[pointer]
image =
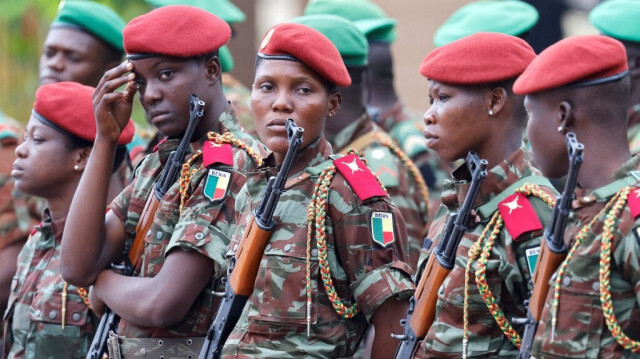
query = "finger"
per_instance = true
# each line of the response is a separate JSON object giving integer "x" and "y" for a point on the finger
{"x": 111, "y": 86}
{"x": 115, "y": 72}
{"x": 112, "y": 97}
{"x": 130, "y": 91}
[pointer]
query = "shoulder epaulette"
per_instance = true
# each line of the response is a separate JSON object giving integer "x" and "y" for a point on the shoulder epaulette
{"x": 359, "y": 176}
{"x": 214, "y": 153}
{"x": 634, "y": 202}
{"x": 518, "y": 215}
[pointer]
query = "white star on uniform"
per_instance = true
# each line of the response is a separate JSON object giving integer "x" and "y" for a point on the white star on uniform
{"x": 513, "y": 205}
{"x": 353, "y": 166}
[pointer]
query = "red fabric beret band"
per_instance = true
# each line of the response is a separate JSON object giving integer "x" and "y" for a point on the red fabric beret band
{"x": 308, "y": 46}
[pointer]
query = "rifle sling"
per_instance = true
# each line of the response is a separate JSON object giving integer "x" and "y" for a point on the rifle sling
{"x": 486, "y": 210}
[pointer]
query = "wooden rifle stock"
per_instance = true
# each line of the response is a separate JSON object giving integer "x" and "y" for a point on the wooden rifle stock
{"x": 248, "y": 256}
{"x": 553, "y": 249}
{"x": 425, "y": 312}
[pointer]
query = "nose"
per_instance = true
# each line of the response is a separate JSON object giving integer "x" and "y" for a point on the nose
{"x": 149, "y": 93}
{"x": 282, "y": 102}
{"x": 55, "y": 62}
{"x": 430, "y": 116}
{"x": 21, "y": 150}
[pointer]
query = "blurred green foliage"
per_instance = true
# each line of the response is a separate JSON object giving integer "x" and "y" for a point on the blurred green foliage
{"x": 23, "y": 29}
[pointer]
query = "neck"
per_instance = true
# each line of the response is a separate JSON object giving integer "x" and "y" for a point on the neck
{"x": 502, "y": 145}
{"x": 210, "y": 119}
{"x": 601, "y": 158}
{"x": 60, "y": 201}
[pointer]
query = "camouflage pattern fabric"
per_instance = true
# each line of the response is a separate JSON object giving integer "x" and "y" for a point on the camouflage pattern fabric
{"x": 203, "y": 226}
{"x": 34, "y": 314}
{"x": 581, "y": 331}
{"x": 273, "y": 323}
{"x": 633, "y": 133}
{"x": 395, "y": 176}
{"x": 508, "y": 272}
{"x": 240, "y": 97}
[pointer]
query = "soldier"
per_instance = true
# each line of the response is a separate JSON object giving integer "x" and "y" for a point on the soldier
{"x": 511, "y": 17}
{"x": 46, "y": 317}
{"x": 474, "y": 109}
{"x": 352, "y": 249}
{"x": 172, "y": 53}
{"x": 581, "y": 84}
{"x": 352, "y": 127}
{"x": 383, "y": 103}
{"x": 619, "y": 19}
{"x": 84, "y": 41}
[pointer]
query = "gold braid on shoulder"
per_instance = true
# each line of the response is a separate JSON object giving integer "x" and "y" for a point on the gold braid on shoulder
{"x": 188, "y": 172}
{"x": 480, "y": 252}
{"x": 316, "y": 216}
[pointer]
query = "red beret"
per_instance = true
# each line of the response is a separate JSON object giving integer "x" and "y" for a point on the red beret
{"x": 583, "y": 60}
{"x": 69, "y": 106}
{"x": 300, "y": 42}
{"x": 175, "y": 30}
{"x": 481, "y": 58}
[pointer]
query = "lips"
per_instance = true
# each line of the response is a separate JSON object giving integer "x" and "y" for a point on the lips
{"x": 49, "y": 80}
{"x": 277, "y": 125}
{"x": 157, "y": 116}
{"x": 17, "y": 171}
{"x": 431, "y": 138}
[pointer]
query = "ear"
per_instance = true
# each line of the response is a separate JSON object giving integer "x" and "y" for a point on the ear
{"x": 81, "y": 158}
{"x": 497, "y": 99}
{"x": 334, "y": 103}
{"x": 214, "y": 69}
{"x": 566, "y": 118}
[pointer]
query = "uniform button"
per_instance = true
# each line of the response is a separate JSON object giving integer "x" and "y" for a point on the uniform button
{"x": 235, "y": 248}
{"x": 143, "y": 351}
{"x": 287, "y": 247}
{"x": 199, "y": 236}
{"x": 53, "y": 314}
{"x": 76, "y": 317}
{"x": 148, "y": 233}
{"x": 314, "y": 252}
{"x": 159, "y": 235}
{"x": 566, "y": 281}
{"x": 458, "y": 298}
{"x": 596, "y": 286}
{"x": 268, "y": 247}
{"x": 36, "y": 314}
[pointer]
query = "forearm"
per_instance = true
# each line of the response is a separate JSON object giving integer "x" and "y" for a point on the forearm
{"x": 83, "y": 244}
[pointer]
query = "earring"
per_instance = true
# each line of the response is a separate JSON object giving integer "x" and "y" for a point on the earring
{"x": 330, "y": 114}
{"x": 560, "y": 129}
{"x": 490, "y": 112}
{"x": 76, "y": 168}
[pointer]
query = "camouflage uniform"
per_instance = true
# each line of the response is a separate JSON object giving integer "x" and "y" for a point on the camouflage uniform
{"x": 202, "y": 226}
{"x": 581, "y": 330}
{"x": 508, "y": 271}
{"x": 407, "y": 130}
{"x": 395, "y": 176}
{"x": 34, "y": 315}
{"x": 633, "y": 134}
{"x": 240, "y": 97}
{"x": 273, "y": 324}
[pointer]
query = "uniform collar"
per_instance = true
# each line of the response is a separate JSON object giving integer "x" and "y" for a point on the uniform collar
{"x": 312, "y": 155}
{"x": 50, "y": 227}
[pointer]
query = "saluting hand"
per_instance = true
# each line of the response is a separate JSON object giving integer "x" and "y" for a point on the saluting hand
{"x": 113, "y": 108}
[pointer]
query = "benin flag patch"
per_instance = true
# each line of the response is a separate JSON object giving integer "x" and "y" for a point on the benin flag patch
{"x": 382, "y": 228}
{"x": 217, "y": 183}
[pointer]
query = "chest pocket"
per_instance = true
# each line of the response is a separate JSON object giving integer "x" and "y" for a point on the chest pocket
{"x": 279, "y": 300}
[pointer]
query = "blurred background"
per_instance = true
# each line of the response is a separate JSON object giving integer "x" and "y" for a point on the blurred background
{"x": 24, "y": 25}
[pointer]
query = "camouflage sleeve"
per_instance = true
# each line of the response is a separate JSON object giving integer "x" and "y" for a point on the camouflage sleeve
{"x": 376, "y": 271}
{"x": 206, "y": 224}
{"x": 627, "y": 254}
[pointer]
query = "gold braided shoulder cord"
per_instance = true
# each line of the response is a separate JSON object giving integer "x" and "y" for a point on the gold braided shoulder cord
{"x": 480, "y": 252}
{"x": 413, "y": 170}
{"x": 316, "y": 216}
{"x": 187, "y": 172}
{"x": 612, "y": 210}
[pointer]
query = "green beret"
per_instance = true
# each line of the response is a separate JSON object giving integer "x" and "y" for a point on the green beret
{"x": 226, "y": 60}
{"x": 223, "y": 9}
{"x": 510, "y": 17}
{"x": 619, "y": 19}
{"x": 351, "y": 42}
{"x": 367, "y": 16}
{"x": 97, "y": 19}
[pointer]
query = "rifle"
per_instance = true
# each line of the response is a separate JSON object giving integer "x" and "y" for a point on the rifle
{"x": 133, "y": 253}
{"x": 553, "y": 250}
{"x": 243, "y": 267}
{"x": 422, "y": 305}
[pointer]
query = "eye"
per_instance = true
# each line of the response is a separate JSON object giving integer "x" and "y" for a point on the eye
{"x": 49, "y": 53}
{"x": 166, "y": 74}
{"x": 74, "y": 57}
{"x": 430, "y": 100}
{"x": 304, "y": 90}
{"x": 443, "y": 97}
{"x": 265, "y": 87}
{"x": 37, "y": 139}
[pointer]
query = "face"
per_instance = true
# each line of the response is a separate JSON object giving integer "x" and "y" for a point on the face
{"x": 288, "y": 89}
{"x": 164, "y": 85}
{"x": 44, "y": 162}
{"x": 547, "y": 144}
{"x": 72, "y": 55}
{"x": 456, "y": 122}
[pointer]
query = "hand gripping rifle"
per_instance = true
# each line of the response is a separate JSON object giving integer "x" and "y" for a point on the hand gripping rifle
{"x": 553, "y": 250}
{"x": 422, "y": 306}
{"x": 133, "y": 253}
{"x": 243, "y": 267}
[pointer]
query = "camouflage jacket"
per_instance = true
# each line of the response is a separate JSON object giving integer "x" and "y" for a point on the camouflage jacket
{"x": 508, "y": 269}
{"x": 273, "y": 323}
{"x": 395, "y": 176}
{"x": 240, "y": 97}
{"x": 633, "y": 133}
{"x": 581, "y": 330}
{"x": 203, "y": 226}
{"x": 34, "y": 315}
